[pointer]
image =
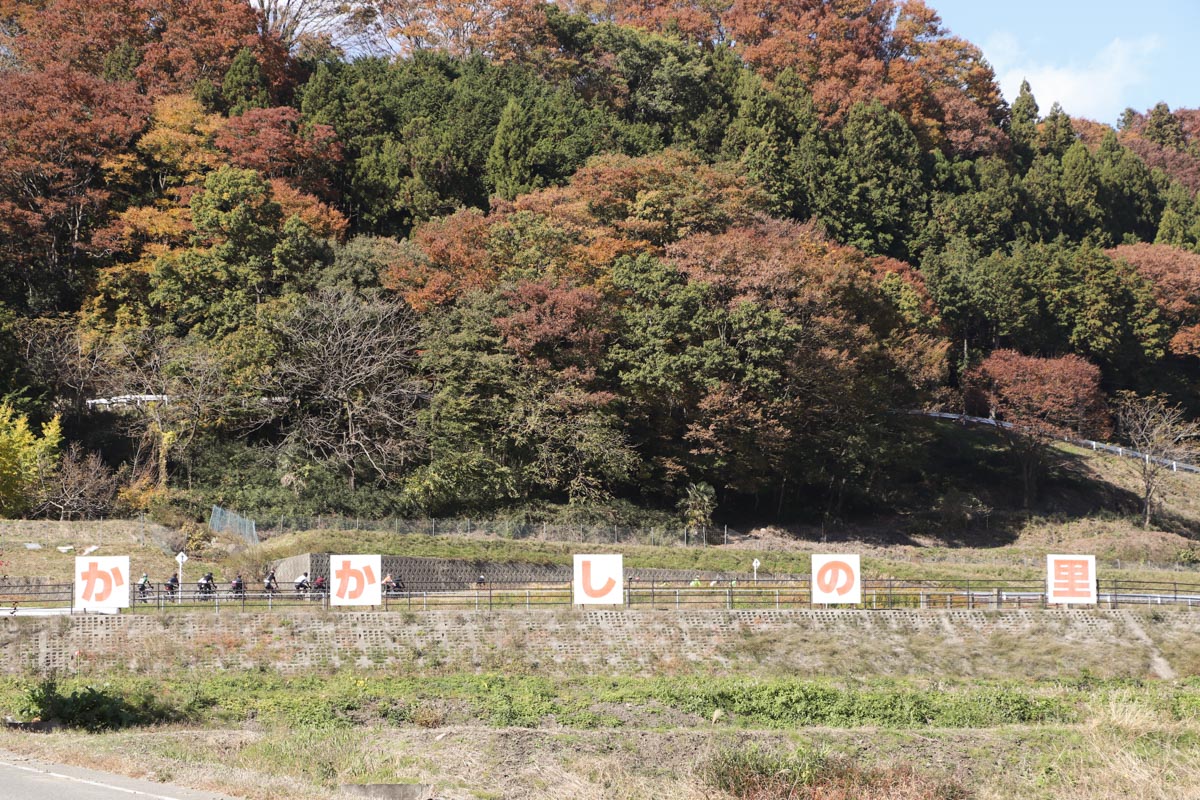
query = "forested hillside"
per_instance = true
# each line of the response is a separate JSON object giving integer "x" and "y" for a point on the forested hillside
{"x": 443, "y": 258}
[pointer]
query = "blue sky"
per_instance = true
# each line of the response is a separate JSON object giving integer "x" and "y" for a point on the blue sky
{"x": 1096, "y": 58}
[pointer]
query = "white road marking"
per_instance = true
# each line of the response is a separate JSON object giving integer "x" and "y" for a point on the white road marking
{"x": 88, "y": 782}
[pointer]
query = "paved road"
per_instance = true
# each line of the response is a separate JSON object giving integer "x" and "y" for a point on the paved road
{"x": 23, "y": 778}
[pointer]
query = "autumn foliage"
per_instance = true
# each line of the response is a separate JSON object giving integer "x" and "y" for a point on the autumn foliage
{"x": 614, "y": 250}
{"x": 63, "y": 135}
{"x": 1175, "y": 276}
{"x": 1037, "y": 400}
{"x": 612, "y": 207}
{"x": 279, "y": 144}
{"x": 166, "y": 45}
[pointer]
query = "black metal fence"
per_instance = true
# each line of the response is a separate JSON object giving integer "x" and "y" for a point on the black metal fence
{"x": 789, "y": 593}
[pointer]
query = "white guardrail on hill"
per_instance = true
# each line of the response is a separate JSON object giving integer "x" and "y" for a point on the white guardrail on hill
{"x": 1117, "y": 450}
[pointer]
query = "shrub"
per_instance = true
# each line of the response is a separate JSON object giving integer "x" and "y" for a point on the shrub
{"x": 752, "y": 772}
{"x": 756, "y": 772}
{"x": 94, "y": 709}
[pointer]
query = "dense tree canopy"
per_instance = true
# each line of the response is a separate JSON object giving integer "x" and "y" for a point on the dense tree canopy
{"x": 590, "y": 252}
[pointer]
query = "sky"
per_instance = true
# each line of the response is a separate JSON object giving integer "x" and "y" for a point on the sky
{"x": 1096, "y": 58}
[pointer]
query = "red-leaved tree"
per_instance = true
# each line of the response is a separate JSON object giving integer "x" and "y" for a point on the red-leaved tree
{"x": 1035, "y": 401}
{"x": 60, "y": 133}
{"x": 167, "y": 45}
{"x": 1174, "y": 275}
{"x": 279, "y": 144}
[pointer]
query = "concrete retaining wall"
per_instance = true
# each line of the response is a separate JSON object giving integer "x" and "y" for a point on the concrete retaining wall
{"x": 800, "y": 643}
{"x": 452, "y": 574}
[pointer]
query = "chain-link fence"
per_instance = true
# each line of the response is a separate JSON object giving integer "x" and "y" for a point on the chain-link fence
{"x": 224, "y": 521}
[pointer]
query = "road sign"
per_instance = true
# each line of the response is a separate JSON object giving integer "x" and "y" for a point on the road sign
{"x": 182, "y": 557}
{"x": 756, "y": 565}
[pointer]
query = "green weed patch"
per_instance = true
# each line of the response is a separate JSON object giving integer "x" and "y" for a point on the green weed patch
{"x": 350, "y": 698}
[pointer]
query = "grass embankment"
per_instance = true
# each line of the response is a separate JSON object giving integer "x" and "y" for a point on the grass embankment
{"x": 964, "y": 522}
{"x": 353, "y": 698}
{"x": 1090, "y": 505}
{"x": 901, "y": 562}
{"x": 149, "y": 547}
{"x": 493, "y": 736}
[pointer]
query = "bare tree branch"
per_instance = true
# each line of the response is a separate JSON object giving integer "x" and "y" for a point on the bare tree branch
{"x": 293, "y": 20}
{"x": 82, "y": 486}
{"x": 195, "y": 390}
{"x": 1162, "y": 434}
{"x": 61, "y": 358}
{"x": 347, "y": 369}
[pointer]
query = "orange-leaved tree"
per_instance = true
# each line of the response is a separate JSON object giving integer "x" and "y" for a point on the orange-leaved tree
{"x": 63, "y": 136}
{"x": 1035, "y": 401}
{"x": 1174, "y": 276}
{"x": 165, "y": 45}
{"x": 614, "y": 206}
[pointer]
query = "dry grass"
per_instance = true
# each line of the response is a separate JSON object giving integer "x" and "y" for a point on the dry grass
{"x": 1120, "y": 753}
{"x": 150, "y": 548}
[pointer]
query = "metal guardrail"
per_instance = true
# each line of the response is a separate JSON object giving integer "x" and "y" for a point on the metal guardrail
{"x": 877, "y": 594}
{"x": 1117, "y": 450}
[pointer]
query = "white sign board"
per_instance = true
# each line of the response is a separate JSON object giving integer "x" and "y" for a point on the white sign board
{"x": 181, "y": 558}
{"x": 836, "y": 580}
{"x": 599, "y": 580}
{"x": 101, "y": 583}
{"x": 355, "y": 581}
{"x": 1071, "y": 579}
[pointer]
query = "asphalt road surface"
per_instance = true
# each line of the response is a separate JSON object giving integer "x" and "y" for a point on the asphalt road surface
{"x": 23, "y": 778}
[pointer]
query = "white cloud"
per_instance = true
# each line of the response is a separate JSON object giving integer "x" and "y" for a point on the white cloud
{"x": 1099, "y": 89}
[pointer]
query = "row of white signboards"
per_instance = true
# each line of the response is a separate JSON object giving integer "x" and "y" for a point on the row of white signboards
{"x": 836, "y": 580}
{"x": 102, "y": 583}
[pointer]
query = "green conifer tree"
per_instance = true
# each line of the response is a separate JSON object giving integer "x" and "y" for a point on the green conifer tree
{"x": 1023, "y": 124}
{"x": 1164, "y": 128}
{"x": 510, "y": 172}
{"x": 244, "y": 86}
{"x": 1081, "y": 190}
{"x": 873, "y": 194}
{"x": 1057, "y": 133}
